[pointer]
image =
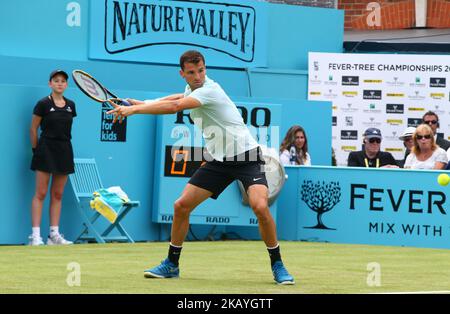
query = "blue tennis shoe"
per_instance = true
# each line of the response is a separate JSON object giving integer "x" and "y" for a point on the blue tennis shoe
{"x": 281, "y": 275}
{"x": 166, "y": 269}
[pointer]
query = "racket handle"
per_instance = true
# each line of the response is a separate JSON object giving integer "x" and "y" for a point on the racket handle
{"x": 125, "y": 103}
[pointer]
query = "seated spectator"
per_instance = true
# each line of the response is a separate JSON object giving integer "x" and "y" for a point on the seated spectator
{"x": 448, "y": 166}
{"x": 407, "y": 139}
{"x": 431, "y": 119}
{"x": 371, "y": 155}
{"x": 425, "y": 154}
{"x": 294, "y": 148}
{"x": 333, "y": 157}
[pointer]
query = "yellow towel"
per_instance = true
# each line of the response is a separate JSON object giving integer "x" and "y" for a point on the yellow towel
{"x": 104, "y": 209}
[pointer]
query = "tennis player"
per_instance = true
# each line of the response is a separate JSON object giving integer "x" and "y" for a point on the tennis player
{"x": 236, "y": 155}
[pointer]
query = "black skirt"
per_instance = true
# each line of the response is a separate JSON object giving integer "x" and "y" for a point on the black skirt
{"x": 53, "y": 156}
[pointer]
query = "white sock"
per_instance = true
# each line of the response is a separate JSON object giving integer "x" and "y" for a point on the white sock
{"x": 36, "y": 231}
{"x": 54, "y": 231}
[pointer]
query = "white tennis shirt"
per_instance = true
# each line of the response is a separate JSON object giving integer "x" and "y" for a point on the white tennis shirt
{"x": 222, "y": 125}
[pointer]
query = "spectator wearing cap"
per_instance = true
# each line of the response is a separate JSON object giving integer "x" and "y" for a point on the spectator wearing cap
{"x": 407, "y": 139}
{"x": 425, "y": 154}
{"x": 52, "y": 155}
{"x": 371, "y": 156}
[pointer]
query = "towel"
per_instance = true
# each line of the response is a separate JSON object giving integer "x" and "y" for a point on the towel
{"x": 108, "y": 202}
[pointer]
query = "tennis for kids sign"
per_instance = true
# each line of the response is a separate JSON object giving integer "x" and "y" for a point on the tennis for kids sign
{"x": 110, "y": 131}
{"x": 158, "y": 31}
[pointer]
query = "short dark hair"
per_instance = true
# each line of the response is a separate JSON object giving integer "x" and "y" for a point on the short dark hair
{"x": 191, "y": 56}
{"x": 430, "y": 113}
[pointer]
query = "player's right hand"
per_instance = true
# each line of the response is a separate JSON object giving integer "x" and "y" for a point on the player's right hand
{"x": 120, "y": 112}
{"x": 132, "y": 101}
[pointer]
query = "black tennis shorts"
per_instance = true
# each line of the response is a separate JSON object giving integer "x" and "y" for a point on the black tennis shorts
{"x": 215, "y": 176}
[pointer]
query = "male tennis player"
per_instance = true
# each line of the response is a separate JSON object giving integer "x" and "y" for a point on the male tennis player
{"x": 236, "y": 156}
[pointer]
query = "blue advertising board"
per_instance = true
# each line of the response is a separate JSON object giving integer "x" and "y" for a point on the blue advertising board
{"x": 368, "y": 206}
{"x": 179, "y": 150}
{"x": 228, "y": 33}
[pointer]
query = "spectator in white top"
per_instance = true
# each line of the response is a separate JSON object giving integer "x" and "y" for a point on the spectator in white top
{"x": 294, "y": 148}
{"x": 425, "y": 153}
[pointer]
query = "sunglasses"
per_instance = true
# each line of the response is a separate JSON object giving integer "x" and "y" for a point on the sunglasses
{"x": 375, "y": 140}
{"x": 419, "y": 137}
{"x": 407, "y": 139}
{"x": 430, "y": 122}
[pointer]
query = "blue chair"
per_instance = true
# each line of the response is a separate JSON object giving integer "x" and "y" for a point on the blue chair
{"x": 84, "y": 182}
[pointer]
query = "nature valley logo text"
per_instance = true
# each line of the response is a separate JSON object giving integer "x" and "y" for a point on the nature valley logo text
{"x": 394, "y": 149}
{"x": 394, "y": 121}
{"x": 395, "y": 95}
{"x": 373, "y": 81}
{"x": 350, "y": 93}
{"x": 437, "y": 95}
{"x": 348, "y": 148}
{"x": 226, "y": 28}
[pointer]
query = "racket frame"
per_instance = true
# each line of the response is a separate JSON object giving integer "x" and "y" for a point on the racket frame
{"x": 105, "y": 90}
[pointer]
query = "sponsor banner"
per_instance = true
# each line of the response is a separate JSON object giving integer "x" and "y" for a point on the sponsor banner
{"x": 379, "y": 206}
{"x": 389, "y": 92}
{"x": 109, "y": 131}
{"x": 158, "y": 31}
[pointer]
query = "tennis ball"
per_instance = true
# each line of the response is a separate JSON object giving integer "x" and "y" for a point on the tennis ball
{"x": 443, "y": 179}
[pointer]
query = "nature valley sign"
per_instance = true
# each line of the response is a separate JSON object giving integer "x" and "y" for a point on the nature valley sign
{"x": 132, "y": 27}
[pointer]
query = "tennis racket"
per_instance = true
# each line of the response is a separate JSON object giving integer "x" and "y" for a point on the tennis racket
{"x": 93, "y": 89}
{"x": 275, "y": 176}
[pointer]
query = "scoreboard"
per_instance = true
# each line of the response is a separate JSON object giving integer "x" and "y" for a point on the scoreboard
{"x": 179, "y": 153}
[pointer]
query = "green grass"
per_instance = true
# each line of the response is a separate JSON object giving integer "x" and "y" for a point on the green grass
{"x": 222, "y": 267}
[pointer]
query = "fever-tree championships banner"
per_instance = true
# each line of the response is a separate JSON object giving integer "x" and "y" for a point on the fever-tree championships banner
{"x": 385, "y": 91}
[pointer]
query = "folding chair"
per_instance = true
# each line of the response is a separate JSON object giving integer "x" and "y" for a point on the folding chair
{"x": 85, "y": 181}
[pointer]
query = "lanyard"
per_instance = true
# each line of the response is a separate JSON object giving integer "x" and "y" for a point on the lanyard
{"x": 366, "y": 161}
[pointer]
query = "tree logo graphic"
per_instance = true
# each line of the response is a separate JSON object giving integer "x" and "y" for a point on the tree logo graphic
{"x": 320, "y": 198}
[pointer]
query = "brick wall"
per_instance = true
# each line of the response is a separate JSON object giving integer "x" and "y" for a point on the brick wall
{"x": 438, "y": 13}
{"x": 392, "y": 14}
{"x": 308, "y": 3}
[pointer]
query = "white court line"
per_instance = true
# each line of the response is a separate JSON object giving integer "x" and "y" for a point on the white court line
{"x": 416, "y": 292}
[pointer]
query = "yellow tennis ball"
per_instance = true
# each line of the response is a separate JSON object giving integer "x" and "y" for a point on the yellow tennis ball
{"x": 443, "y": 179}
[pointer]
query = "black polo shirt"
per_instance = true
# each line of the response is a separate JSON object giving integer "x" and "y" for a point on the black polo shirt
{"x": 56, "y": 122}
{"x": 360, "y": 159}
